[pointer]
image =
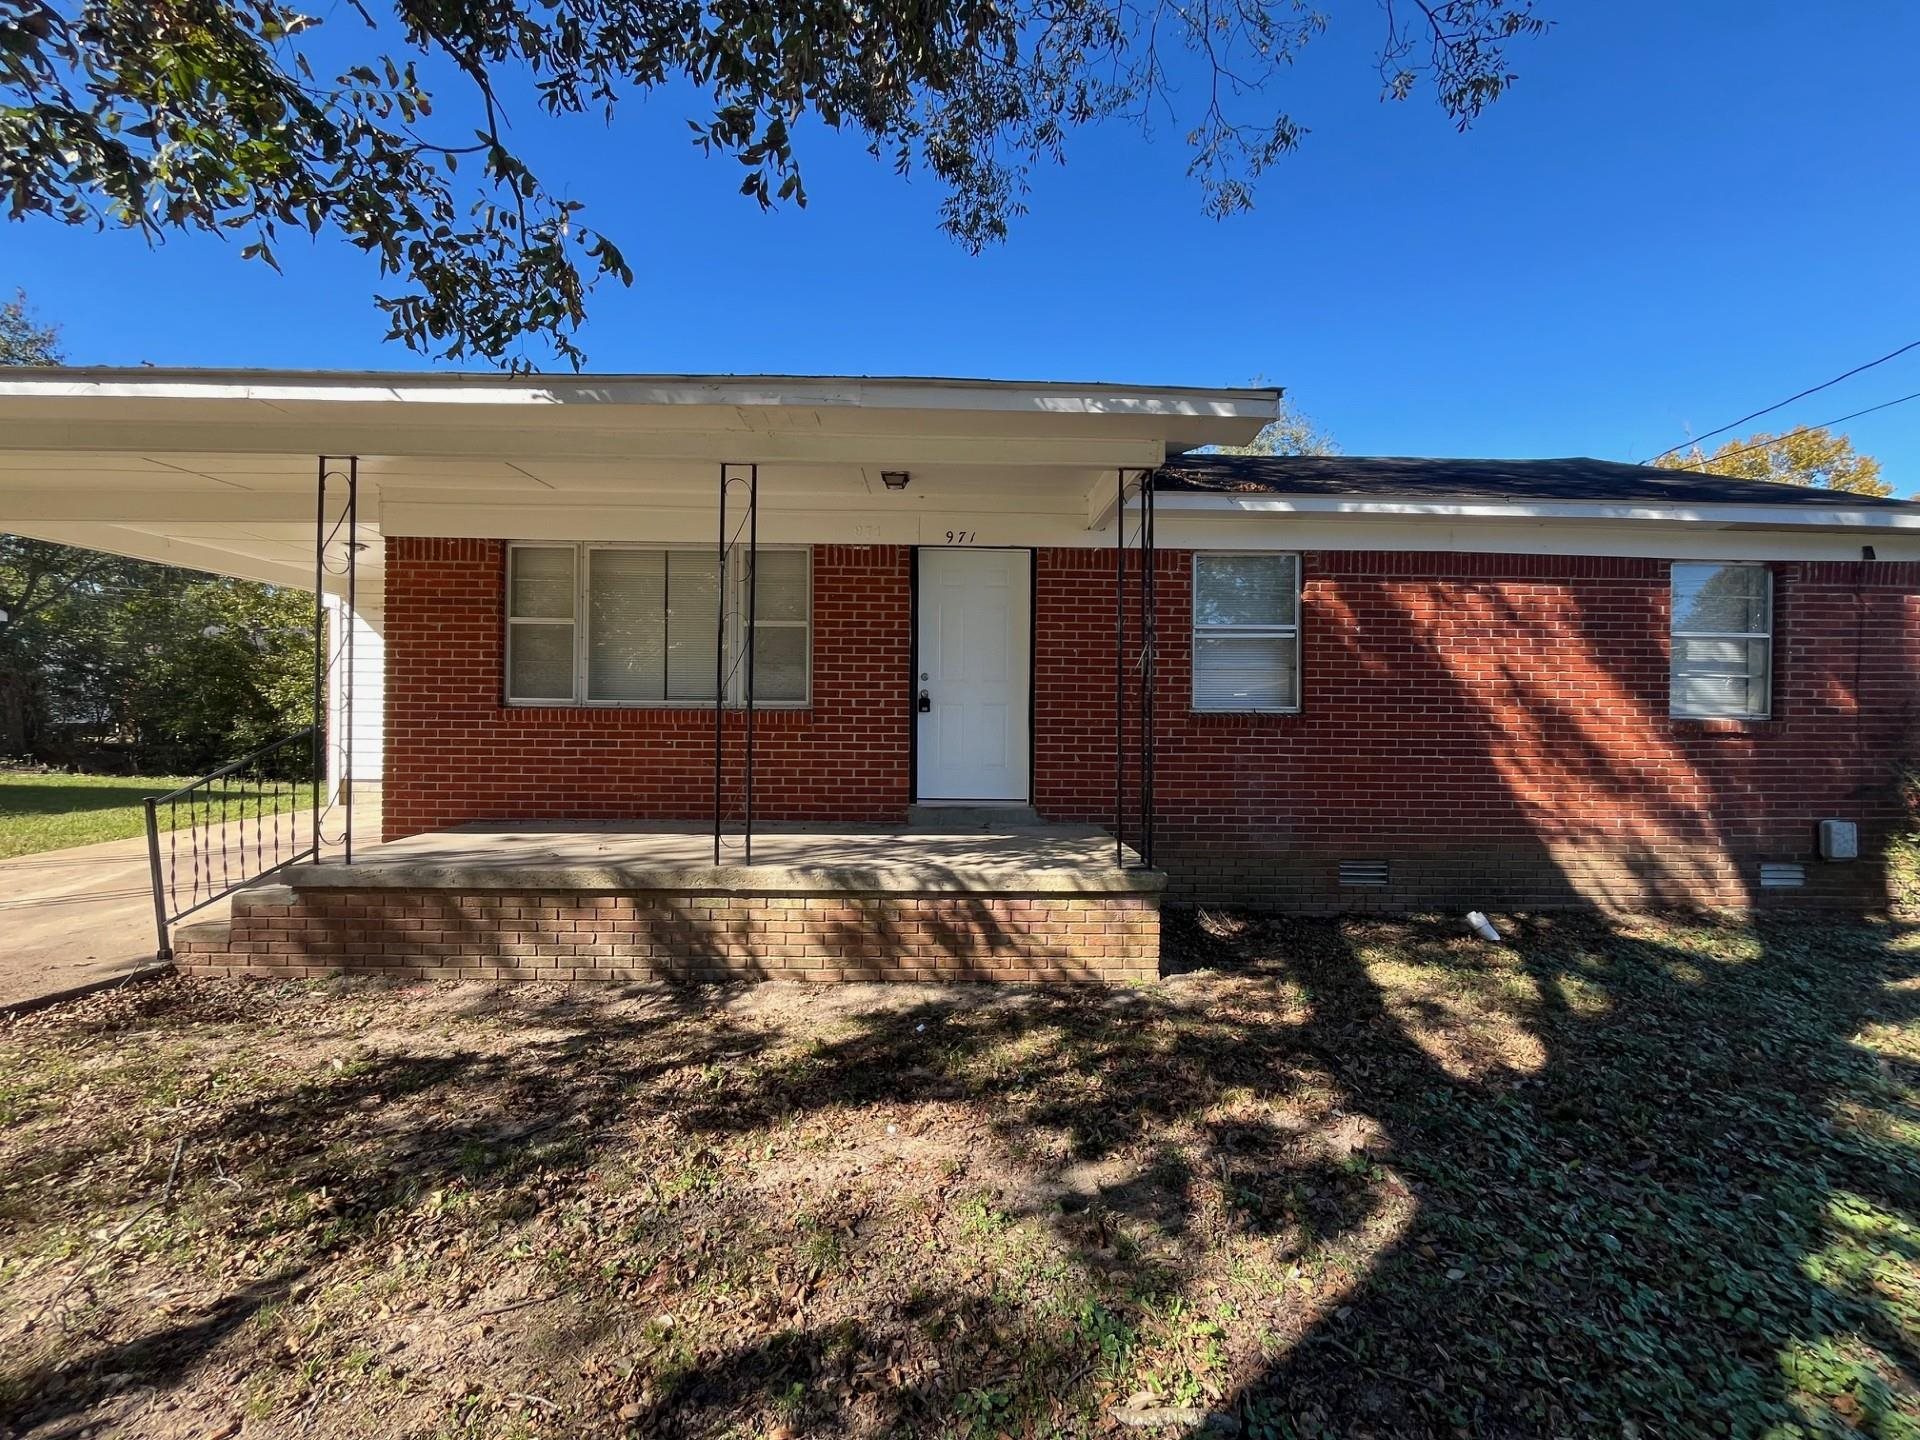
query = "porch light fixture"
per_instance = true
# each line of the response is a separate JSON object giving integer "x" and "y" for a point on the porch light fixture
{"x": 895, "y": 479}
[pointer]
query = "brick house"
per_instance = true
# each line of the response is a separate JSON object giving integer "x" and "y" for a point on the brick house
{"x": 1027, "y": 615}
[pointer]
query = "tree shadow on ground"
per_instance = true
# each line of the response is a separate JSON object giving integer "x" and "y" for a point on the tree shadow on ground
{"x": 339, "y": 1153}
{"x": 1679, "y": 1195}
{"x": 1341, "y": 1177}
{"x": 1695, "y": 1212}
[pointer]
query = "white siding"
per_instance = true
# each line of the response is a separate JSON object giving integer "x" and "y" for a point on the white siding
{"x": 369, "y": 689}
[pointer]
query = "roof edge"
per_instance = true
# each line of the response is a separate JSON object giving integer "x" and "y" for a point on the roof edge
{"x": 1543, "y": 480}
{"x": 1886, "y": 515}
{"x": 490, "y": 379}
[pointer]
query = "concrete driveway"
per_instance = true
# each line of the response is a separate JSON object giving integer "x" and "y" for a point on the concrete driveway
{"x": 71, "y": 918}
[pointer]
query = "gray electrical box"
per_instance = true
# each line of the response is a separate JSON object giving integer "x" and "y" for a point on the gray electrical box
{"x": 1839, "y": 840}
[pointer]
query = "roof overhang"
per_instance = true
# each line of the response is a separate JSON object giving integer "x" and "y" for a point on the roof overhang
{"x": 194, "y": 465}
{"x": 1798, "y": 516}
{"x": 764, "y": 419}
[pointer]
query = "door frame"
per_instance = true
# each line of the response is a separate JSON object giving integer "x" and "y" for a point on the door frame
{"x": 913, "y": 658}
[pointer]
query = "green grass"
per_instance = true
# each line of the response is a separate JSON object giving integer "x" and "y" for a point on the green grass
{"x": 1648, "y": 1178}
{"x": 53, "y": 812}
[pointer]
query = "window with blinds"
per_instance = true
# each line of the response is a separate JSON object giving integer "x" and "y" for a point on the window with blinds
{"x": 1722, "y": 629}
{"x": 1246, "y": 632}
{"x": 648, "y": 625}
{"x": 541, "y": 596}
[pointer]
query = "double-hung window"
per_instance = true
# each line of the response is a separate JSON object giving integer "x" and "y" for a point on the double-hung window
{"x": 1722, "y": 642}
{"x": 633, "y": 625}
{"x": 1246, "y": 632}
{"x": 542, "y": 595}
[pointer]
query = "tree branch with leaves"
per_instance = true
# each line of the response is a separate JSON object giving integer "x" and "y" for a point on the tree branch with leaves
{"x": 216, "y": 116}
{"x": 1811, "y": 455}
{"x": 1291, "y": 432}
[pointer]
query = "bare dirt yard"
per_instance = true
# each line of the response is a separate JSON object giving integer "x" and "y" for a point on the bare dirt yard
{"x": 1338, "y": 1178}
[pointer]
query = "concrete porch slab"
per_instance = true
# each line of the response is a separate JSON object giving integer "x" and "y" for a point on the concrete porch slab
{"x": 787, "y": 860}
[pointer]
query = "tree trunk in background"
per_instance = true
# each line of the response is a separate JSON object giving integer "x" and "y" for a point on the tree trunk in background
{"x": 18, "y": 732}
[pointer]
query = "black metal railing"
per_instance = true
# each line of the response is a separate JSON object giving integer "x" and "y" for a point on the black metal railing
{"x": 264, "y": 811}
{"x": 232, "y": 826}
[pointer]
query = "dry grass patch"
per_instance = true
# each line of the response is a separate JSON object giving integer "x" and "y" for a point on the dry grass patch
{"x": 1336, "y": 1179}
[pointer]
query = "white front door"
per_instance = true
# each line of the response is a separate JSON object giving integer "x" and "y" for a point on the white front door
{"x": 972, "y": 675}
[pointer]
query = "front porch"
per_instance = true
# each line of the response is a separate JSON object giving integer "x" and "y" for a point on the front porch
{"x": 629, "y": 902}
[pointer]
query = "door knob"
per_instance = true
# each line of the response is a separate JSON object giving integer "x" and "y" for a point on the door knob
{"x": 926, "y": 703}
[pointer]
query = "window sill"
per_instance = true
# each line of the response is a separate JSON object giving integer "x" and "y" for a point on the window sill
{"x": 1292, "y": 714}
{"x": 658, "y": 709}
{"x": 1723, "y": 724}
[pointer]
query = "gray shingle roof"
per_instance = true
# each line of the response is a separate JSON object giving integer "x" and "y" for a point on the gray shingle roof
{"x": 1575, "y": 478}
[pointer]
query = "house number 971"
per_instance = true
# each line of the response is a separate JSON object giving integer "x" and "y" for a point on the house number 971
{"x": 962, "y": 537}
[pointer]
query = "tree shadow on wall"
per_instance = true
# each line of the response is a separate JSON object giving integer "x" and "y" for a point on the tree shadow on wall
{"x": 1693, "y": 1206}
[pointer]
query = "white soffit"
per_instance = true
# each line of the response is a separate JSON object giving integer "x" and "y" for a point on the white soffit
{"x": 769, "y": 419}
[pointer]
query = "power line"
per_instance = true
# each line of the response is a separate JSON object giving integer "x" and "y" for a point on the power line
{"x": 1837, "y": 420}
{"x": 1814, "y": 390}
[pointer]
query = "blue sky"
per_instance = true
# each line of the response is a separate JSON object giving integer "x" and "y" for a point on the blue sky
{"x": 1681, "y": 213}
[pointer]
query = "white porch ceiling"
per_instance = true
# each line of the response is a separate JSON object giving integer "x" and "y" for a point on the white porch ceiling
{"x": 216, "y": 468}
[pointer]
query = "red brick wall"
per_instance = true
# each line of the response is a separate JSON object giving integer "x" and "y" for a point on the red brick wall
{"x": 1497, "y": 726}
{"x": 456, "y": 752}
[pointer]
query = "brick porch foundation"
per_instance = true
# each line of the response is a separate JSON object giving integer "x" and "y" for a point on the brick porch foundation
{"x": 488, "y": 935}
{"x": 1043, "y": 905}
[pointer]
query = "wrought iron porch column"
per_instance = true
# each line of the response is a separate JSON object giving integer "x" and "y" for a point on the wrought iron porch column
{"x": 337, "y": 479}
{"x": 747, "y": 639}
{"x": 1149, "y": 657}
{"x": 1146, "y": 664}
{"x": 719, "y": 668}
{"x": 729, "y": 540}
{"x": 1119, "y": 668}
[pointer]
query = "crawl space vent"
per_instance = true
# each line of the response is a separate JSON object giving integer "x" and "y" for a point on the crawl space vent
{"x": 1782, "y": 875}
{"x": 1363, "y": 872}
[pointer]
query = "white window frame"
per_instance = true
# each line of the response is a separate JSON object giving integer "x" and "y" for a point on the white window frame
{"x": 1271, "y": 632}
{"x": 734, "y": 602}
{"x": 1675, "y": 634}
{"x": 742, "y": 624}
{"x": 573, "y": 621}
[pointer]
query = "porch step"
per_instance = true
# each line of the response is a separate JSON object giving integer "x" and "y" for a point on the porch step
{"x": 204, "y": 947}
{"x": 971, "y": 817}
